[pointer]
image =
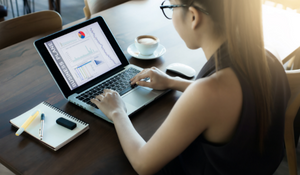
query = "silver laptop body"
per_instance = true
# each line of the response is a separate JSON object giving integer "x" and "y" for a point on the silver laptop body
{"x": 83, "y": 58}
{"x": 134, "y": 99}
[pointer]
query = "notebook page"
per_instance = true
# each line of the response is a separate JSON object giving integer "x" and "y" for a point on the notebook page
{"x": 54, "y": 134}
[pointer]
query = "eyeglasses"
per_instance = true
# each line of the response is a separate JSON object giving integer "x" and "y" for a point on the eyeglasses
{"x": 167, "y": 8}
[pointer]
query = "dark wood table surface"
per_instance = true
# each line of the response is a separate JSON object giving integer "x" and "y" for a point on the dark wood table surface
{"x": 25, "y": 82}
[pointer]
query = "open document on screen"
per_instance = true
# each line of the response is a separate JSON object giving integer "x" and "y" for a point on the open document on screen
{"x": 83, "y": 55}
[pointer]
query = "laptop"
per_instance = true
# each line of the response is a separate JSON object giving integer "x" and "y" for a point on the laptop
{"x": 85, "y": 59}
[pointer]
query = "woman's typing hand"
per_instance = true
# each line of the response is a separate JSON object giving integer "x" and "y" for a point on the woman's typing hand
{"x": 158, "y": 79}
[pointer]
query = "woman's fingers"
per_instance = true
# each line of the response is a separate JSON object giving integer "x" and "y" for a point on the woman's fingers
{"x": 132, "y": 79}
{"x": 100, "y": 97}
{"x": 140, "y": 76}
{"x": 136, "y": 77}
{"x": 106, "y": 91}
{"x": 144, "y": 83}
{"x": 95, "y": 101}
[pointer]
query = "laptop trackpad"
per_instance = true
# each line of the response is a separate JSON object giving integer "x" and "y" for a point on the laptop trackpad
{"x": 139, "y": 96}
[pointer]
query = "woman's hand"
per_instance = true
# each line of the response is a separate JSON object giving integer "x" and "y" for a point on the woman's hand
{"x": 110, "y": 103}
{"x": 158, "y": 79}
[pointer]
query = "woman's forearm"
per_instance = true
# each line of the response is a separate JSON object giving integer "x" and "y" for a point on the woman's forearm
{"x": 130, "y": 140}
{"x": 179, "y": 84}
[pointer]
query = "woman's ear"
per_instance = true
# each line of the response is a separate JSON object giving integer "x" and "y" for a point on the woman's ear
{"x": 196, "y": 17}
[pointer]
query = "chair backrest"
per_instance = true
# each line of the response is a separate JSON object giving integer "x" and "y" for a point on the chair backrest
{"x": 94, "y": 6}
{"x": 21, "y": 28}
{"x": 293, "y": 107}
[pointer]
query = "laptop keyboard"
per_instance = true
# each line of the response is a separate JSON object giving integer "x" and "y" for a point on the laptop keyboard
{"x": 119, "y": 83}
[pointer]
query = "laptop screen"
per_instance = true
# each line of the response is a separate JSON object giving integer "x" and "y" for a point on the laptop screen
{"x": 83, "y": 55}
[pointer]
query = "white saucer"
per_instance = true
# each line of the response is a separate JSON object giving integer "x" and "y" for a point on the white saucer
{"x": 132, "y": 50}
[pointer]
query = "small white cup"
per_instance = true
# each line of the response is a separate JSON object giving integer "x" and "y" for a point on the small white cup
{"x": 146, "y": 44}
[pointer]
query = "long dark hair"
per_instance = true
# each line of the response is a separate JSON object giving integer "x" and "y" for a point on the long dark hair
{"x": 241, "y": 22}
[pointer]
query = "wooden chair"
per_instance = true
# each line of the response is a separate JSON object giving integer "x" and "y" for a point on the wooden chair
{"x": 294, "y": 60}
{"x": 94, "y": 6}
{"x": 21, "y": 28}
{"x": 293, "y": 107}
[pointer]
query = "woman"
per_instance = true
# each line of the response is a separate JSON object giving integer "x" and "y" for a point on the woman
{"x": 230, "y": 120}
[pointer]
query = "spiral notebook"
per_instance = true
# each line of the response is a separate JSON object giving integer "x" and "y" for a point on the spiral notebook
{"x": 55, "y": 136}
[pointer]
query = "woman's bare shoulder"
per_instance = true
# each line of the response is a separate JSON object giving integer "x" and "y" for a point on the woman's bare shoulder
{"x": 223, "y": 85}
{"x": 220, "y": 98}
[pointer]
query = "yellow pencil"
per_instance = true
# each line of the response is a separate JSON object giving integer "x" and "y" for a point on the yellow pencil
{"x": 27, "y": 123}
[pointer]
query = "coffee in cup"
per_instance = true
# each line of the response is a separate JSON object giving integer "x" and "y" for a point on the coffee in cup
{"x": 146, "y": 44}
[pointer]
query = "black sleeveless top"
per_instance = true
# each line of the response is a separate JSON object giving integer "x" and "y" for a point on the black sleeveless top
{"x": 241, "y": 154}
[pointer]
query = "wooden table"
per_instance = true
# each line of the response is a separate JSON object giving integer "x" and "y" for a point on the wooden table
{"x": 25, "y": 82}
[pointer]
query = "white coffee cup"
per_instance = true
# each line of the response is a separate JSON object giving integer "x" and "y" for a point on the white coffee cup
{"x": 146, "y": 44}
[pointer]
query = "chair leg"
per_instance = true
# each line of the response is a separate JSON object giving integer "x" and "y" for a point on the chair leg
{"x": 297, "y": 60}
{"x": 12, "y": 8}
{"x": 54, "y": 5}
{"x": 17, "y": 7}
{"x": 291, "y": 151}
{"x": 297, "y": 128}
{"x": 290, "y": 64}
{"x": 289, "y": 134}
{"x": 58, "y": 6}
{"x": 86, "y": 10}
